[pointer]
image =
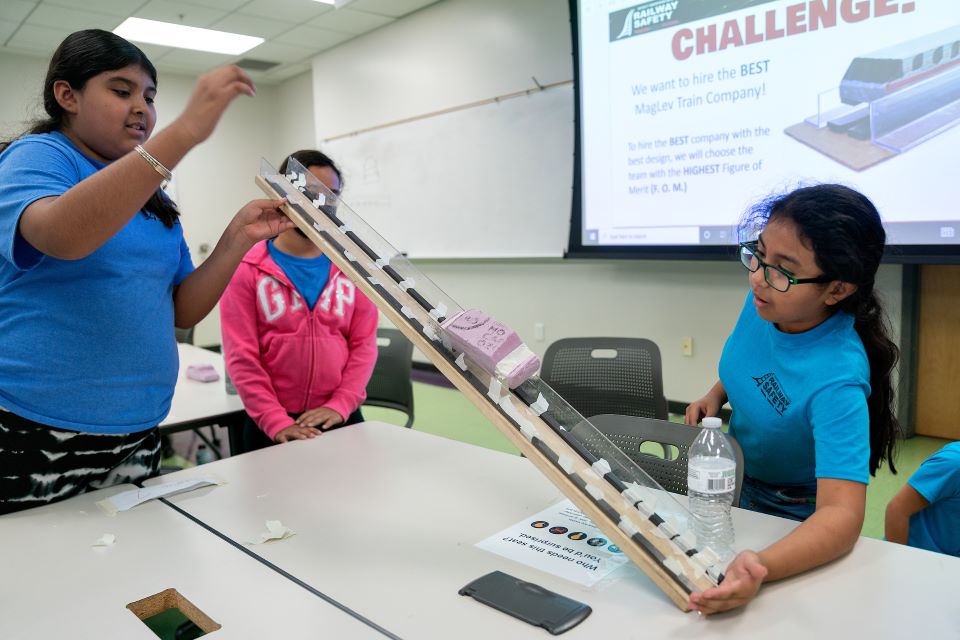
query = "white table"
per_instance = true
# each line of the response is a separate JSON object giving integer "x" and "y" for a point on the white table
{"x": 54, "y": 584}
{"x": 198, "y": 404}
{"x": 387, "y": 518}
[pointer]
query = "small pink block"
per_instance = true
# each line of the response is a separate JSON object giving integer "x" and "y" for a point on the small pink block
{"x": 493, "y": 345}
{"x": 202, "y": 372}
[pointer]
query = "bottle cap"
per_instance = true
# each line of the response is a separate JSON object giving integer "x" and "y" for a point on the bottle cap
{"x": 712, "y": 423}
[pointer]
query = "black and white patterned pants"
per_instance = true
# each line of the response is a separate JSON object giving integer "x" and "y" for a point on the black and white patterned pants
{"x": 41, "y": 464}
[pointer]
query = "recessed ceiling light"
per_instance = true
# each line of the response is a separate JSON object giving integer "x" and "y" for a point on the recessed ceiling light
{"x": 182, "y": 37}
{"x": 335, "y": 3}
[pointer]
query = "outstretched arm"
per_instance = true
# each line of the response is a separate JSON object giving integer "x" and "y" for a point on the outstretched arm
{"x": 75, "y": 224}
{"x": 826, "y": 535}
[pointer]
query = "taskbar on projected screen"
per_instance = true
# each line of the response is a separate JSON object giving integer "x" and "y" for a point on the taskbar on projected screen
{"x": 660, "y": 236}
{"x": 945, "y": 232}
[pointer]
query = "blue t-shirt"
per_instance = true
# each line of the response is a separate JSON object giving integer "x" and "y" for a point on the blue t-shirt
{"x": 86, "y": 345}
{"x": 799, "y": 400}
{"x": 308, "y": 275}
{"x": 937, "y": 527}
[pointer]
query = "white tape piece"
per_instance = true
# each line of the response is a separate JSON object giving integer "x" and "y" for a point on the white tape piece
{"x": 430, "y": 332}
{"x": 461, "y": 362}
{"x": 631, "y": 495}
{"x": 316, "y": 225}
{"x": 494, "y": 389}
{"x": 660, "y": 534}
{"x": 628, "y": 527}
{"x": 529, "y": 431}
{"x": 540, "y": 405}
{"x": 688, "y": 539}
{"x": 513, "y": 360}
{"x": 595, "y": 492}
{"x": 405, "y": 310}
{"x": 406, "y": 284}
{"x": 373, "y": 281}
{"x": 320, "y": 201}
{"x": 106, "y": 540}
{"x": 349, "y": 256}
{"x": 566, "y": 464}
{"x": 602, "y": 467}
{"x": 707, "y": 557}
{"x": 645, "y": 510}
{"x": 440, "y": 311}
{"x": 382, "y": 262}
{"x": 276, "y": 530}
{"x": 673, "y": 566}
{"x": 345, "y": 229}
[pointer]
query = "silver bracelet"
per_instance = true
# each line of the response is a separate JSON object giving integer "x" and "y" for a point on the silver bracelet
{"x": 156, "y": 164}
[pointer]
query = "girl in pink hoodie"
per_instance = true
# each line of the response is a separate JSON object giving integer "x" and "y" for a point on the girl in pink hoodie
{"x": 299, "y": 339}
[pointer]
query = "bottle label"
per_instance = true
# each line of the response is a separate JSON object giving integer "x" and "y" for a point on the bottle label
{"x": 713, "y": 480}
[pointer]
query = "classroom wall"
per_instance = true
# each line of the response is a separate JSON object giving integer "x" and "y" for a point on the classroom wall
{"x": 459, "y": 51}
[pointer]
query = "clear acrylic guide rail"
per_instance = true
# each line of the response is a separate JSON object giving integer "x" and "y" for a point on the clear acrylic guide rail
{"x": 651, "y": 527}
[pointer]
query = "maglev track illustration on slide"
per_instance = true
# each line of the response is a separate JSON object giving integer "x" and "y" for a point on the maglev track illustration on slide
{"x": 891, "y": 100}
{"x": 489, "y": 364}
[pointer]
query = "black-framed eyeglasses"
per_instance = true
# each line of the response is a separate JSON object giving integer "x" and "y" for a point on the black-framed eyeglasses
{"x": 775, "y": 276}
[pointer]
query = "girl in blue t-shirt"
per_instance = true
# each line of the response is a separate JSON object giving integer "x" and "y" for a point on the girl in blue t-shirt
{"x": 807, "y": 374}
{"x": 94, "y": 271}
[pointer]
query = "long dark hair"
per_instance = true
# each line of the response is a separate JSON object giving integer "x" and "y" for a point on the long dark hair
{"x": 313, "y": 158}
{"x": 81, "y": 56}
{"x": 844, "y": 230}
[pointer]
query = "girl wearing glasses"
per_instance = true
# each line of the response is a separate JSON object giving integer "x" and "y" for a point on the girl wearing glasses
{"x": 807, "y": 374}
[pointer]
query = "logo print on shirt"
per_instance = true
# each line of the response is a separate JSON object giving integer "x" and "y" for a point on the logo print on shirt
{"x": 271, "y": 298}
{"x": 770, "y": 388}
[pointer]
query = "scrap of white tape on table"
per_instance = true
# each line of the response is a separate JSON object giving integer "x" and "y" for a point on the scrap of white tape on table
{"x": 560, "y": 540}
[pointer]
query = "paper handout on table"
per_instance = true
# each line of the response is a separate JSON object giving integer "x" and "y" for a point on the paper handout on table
{"x": 276, "y": 530}
{"x": 129, "y": 499}
{"x": 560, "y": 540}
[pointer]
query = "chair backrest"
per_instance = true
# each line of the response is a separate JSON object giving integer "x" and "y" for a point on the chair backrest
{"x": 630, "y": 433}
{"x": 607, "y": 375}
{"x": 390, "y": 385}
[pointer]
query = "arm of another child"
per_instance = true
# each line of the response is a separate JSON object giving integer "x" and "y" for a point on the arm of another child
{"x": 826, "y": 535}
{"x": 707, "y": 406}
{"x": 904, "y": 504}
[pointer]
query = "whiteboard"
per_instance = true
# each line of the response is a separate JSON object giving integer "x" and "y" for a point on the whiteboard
{"x": 488, "y": 181}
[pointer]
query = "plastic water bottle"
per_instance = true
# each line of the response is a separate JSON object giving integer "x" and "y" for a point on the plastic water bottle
{"x": 711, "y": 482}
{"x": 204, "y": 455}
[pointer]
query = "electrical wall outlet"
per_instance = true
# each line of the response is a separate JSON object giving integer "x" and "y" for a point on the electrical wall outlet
{"x": 538, "y": 332}
{"x": 686, "y": 344}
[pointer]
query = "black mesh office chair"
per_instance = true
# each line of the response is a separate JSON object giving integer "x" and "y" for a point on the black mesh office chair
{"x": 658, "y": 447}
{"x": 607, "y": 375}
{"x": 390, "y": 385}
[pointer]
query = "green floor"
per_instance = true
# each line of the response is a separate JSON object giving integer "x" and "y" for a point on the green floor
{"x": 446, "y": 412}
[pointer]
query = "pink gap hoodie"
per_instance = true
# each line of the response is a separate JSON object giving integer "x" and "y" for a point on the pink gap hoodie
{"x": 283, "y": 357}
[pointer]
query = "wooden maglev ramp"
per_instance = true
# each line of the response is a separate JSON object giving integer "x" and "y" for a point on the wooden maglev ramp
{"x": 600, "y": 480}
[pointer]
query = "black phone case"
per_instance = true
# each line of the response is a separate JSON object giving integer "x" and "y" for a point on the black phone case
{"x": 527, "y": 601}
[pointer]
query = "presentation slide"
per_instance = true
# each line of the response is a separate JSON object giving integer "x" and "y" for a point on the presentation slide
{"x": 691, "y": 110}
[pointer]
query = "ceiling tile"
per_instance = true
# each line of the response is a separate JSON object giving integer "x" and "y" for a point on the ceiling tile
{"x": 110, "y": 7}
{"x": 154, "y": 51}
{"x": 196, "y": 59}
{"x": 280, "y": 53}
{"x": 349, "y": 21}
{"x": 252, "y": 25}
{"x": 288, "y": 71}
{"x": 316, "y": 39}
{"x": 15, "y": 10}
{"x": 47, "y": 15}
{"x": 298, "y": 11}
{"x": 43, "y": 40}
{"x": 226, "y": 5}
{"x": 394, "y": 8}
{"x": 190, "y": 15}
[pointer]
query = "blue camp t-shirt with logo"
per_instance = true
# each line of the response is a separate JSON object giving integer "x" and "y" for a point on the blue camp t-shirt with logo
{"x": 799, "y": 400}
{"x": 937, "y": 527}
{"x": 88, "y": 344}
